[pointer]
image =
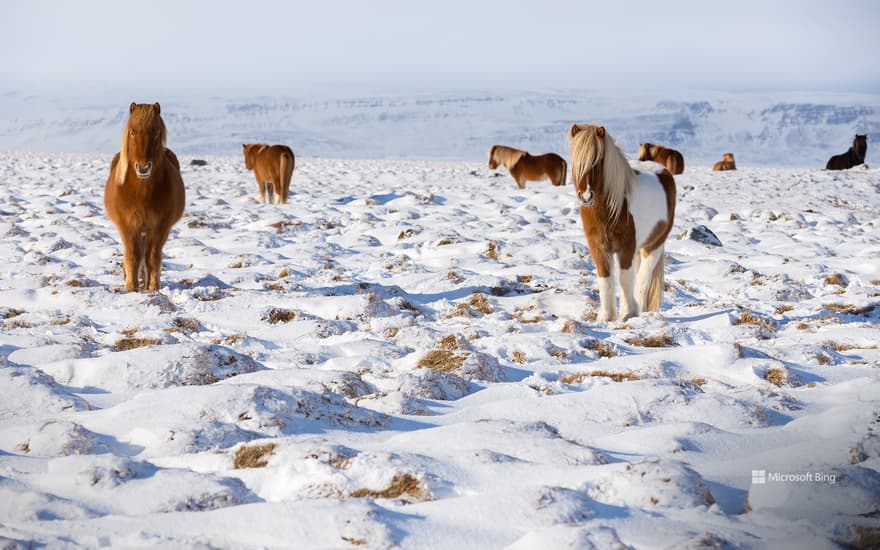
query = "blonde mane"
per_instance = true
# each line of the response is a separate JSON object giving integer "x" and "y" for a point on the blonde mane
{"x": 142, "y": 118}
{"x": 591, "y": 145}
{"x": 508, "y": 156}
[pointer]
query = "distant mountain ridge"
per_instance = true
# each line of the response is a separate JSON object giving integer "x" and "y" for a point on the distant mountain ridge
{"x": 796, "y": 130}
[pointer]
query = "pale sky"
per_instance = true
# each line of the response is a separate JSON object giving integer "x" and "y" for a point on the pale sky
{"x": 219, "y": 47}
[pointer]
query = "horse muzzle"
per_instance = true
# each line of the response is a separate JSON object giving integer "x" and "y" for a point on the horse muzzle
{"x": 143, "y": 171}
{"x": 587, "y": 198}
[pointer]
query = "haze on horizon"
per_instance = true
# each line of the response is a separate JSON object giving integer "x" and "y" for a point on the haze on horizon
{"x": 167, "y": 47}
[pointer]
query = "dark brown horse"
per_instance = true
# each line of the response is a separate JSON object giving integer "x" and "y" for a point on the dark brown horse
{"x": 627, "y": 209}
{"x": 853, "y": 157}
{"x": 273, "y": 167}
{"x": 670, "y": 158}
{"x": 524, "y": 167}
{"x": 144, "y": 195}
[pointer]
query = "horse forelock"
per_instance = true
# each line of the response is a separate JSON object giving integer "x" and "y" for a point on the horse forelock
{"x": 588, "y": 149}
{"x": 144, "y": 120}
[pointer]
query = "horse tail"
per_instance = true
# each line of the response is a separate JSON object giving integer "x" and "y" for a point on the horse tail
{"x": 286, "y": 169}
{"x": 655, "y": 291}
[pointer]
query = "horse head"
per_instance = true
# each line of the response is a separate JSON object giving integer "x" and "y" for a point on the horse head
{"x": 493, "y": 162}
{"x": 860, "y": 146}
{"x": 645, "y": 151}
{"x": 588, "y": 146}
{"x": 143, "y": 141}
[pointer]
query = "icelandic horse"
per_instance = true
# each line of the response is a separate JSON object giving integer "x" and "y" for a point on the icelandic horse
{"x": 144, "y": 195}
{"x": 273, "y": 167}
{"x": 726, "y": 163}
{"x": 853, "y": 157}
{"x": 670, "y": 158}
{"x": 627, "y": 210}
{"x": 524, "y": 167}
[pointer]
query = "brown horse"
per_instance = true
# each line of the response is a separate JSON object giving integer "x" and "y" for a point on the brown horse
{"x": 853, "y": 157}
{"x": 670, "y": 158}
{"x": 273, "y": 167}
{"x": 627, "y": 209}
{"x": 726, "y": 163}
{"x": 144, "y": 195}
{"x": 525, "y": 167}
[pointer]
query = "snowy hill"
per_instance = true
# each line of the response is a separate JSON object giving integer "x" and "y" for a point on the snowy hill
{"x": 407, "y": 355}
{"x": 781, "y": 130}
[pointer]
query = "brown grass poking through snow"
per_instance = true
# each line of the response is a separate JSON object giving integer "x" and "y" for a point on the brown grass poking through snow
{"x": 604, "y": 349}
{"x": 519, "y": 357}
{"x": 480, "y": 302}
{"x": 253, "y": 456}
{"x": 784, "y": 308}
{"x": 402, "y": 484}
{"x": 749, "y": 318}
{"x": 657, "y": 341}
{"x": 128, "y": 343}
{"x": 864, "y": 537}
{"x": 579, "y": 377}
{"x": 777, "y": 376}
{"x": 839, "y": 346}
{"x": 447, "y": 356}
{"x": 849, "y": 309}
{"x": 492, "y": 251}
{"x": 277, "y": 315}
{"x": 837, "y": 279}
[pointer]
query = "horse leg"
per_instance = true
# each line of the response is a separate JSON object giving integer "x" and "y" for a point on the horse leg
{"x": 607, "y": 306}
{"x": 262, "y": 187}
{"x": 279, "y": 191}
{"x": 133, "y": 257}
{"x": 628, "y": 306}
{"x": 518, "y": 178}
{"x": 154, "y": 258}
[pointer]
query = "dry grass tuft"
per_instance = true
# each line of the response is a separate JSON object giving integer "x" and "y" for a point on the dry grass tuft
{"x": 446, "y": 241}
{"x": 492, "y": 252}
{"x": 604, "y": 349}
{"x": 441, "y": 360}
{"x": 253, "y": 456}
{"x": 277, "y": 315}
{"x": 824, "y": 359}
{"x": 284, "y": 273}
{"x": 186, "y": 325}
{"x": 579, "y": 377}
{"x": 128, "y": 343}
{"x": 480, "y": 302}
{"x": 519, "y": 357}
{"x": 8, "y": 313}
{"x": 402, "y": 484}
{"x": 777, "y": 376}
{"x": 355, "y": 542}
{"x": 785, "y": 308}
{"x": 699, "y": 381}
{"x": 657, "y": 341}
{"x": 849, "y": 309}
{"x": 837, "y": 279}
{"x": 838, "y": 346}
{"x": 749, "y": 318}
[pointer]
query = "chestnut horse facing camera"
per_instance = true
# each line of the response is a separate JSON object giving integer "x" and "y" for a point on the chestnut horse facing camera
{"x": 627, "y": 209}
{"x": 144, "y": 195}
{"x": 273, "y": 167}
{"x": 525, "y": 167}
{"x": 726, "y": 163}
{"x": 670, "y": 158}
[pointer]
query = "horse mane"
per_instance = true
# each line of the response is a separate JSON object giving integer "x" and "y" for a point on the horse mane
{"x": 592, "y": 144}
{"x": 508, "y": 156}
{"x": 141, "y": 116}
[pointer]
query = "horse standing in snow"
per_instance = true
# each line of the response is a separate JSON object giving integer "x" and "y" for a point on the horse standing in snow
{"x": 524, "y": 167}
{"x": 144, "y": 195}
{"x": 670, "y": 158}
{"x": 853, "y": 157}
{"x": 273, "y": 167}
{"x": 627, "y": 209}
{"x": 726, "y": 163}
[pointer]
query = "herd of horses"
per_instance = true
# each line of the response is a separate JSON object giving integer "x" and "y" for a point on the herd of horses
{"x": 627, "y": 207}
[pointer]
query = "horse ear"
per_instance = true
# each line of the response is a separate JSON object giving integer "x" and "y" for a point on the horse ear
{"x": 600, "y": 131}
{"x": 131, "y": 107}
{"x": 156, "y": 107}
{"x": 575, "y": 129}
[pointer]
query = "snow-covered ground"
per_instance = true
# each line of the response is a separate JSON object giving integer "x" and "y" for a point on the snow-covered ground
{"x": 406, "y": 355}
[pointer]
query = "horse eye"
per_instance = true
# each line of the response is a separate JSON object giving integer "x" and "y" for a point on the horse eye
{"x": 131, "y": 133}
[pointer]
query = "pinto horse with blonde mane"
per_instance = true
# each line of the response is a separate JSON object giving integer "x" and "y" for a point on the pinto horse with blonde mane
{"x": 525, "y": 167}
{"x": 670, "y": 158}
{"x": 144, "y": 195}
{"x": 273, "y": 167}
{"x": 627, "y": 209}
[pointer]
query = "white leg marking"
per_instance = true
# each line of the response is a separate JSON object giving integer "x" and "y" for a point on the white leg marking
{"x": 628, "y": 306}
{"x": 607, "y": 311}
